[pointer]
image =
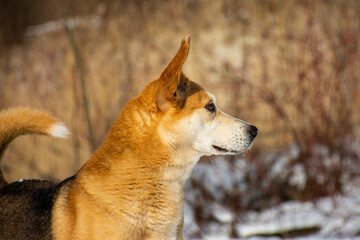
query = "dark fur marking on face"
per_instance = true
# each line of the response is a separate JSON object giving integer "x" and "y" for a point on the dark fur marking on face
{"x": 185, "y": 89}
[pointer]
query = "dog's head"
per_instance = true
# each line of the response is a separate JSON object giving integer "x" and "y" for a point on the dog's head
{"x": 191, "y": 120}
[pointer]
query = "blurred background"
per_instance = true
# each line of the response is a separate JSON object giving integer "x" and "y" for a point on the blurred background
{"x": 289, "y": 67}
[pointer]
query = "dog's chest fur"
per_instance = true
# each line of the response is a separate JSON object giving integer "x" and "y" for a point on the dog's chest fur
{"x": 128, "y": 209}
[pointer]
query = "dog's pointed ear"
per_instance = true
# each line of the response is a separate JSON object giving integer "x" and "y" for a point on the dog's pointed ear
{"x": 171, "y": 82}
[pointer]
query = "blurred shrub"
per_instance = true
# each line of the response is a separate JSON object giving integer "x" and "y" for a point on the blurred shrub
{"x": 312, "y": 87}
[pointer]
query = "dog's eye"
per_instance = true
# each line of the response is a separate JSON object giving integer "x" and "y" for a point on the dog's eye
{"x": 210, "y": 107}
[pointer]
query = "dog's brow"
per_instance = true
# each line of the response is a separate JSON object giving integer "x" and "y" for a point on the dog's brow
{"x": 213, "y": 98}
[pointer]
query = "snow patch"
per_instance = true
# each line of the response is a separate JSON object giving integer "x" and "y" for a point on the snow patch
{"x": 58, "y": 25}
{"x": 221, "y": 214}
{"x": 292, "y": 216}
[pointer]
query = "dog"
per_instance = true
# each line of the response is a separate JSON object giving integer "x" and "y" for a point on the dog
{"x": 132, "y": 186}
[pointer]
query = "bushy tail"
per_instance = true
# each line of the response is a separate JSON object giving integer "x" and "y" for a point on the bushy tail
{"x": 21, "y": 121}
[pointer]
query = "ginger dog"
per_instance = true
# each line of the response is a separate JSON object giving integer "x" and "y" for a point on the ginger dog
{"x": 132, "y": 186}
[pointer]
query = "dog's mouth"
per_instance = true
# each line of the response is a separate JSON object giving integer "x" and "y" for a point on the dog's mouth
{"x": 223, "y": 150}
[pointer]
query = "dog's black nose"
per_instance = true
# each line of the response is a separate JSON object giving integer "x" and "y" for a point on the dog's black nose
{"x": 253, "y": 131}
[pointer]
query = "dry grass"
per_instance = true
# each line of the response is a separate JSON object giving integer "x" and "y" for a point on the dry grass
{"x": 289, "y": 67}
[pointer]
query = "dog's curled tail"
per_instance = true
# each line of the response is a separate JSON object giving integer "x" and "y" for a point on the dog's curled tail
{"x": 20, "y": 121}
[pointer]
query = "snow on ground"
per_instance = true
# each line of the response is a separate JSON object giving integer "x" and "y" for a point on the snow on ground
{"x": 334, "y": 217}
{"x": 214, "y": 188}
